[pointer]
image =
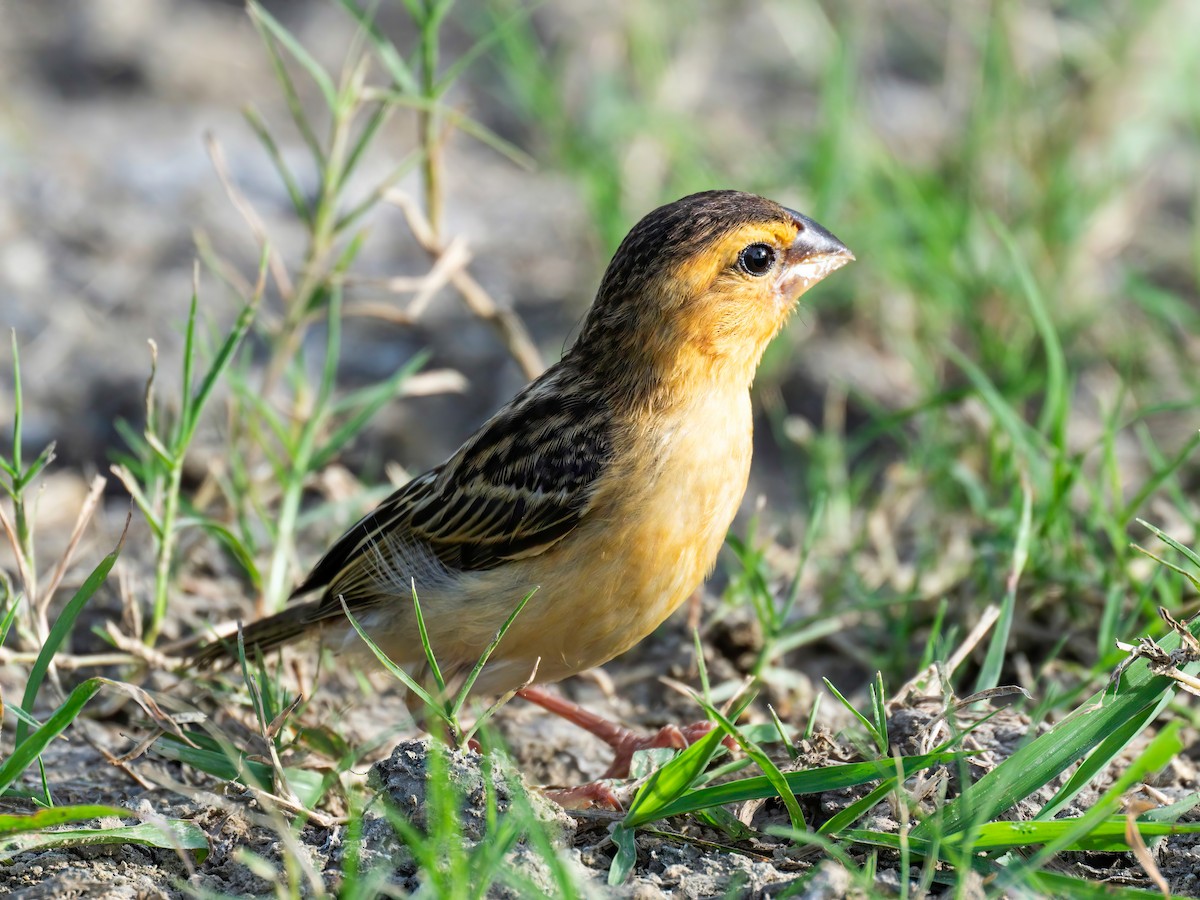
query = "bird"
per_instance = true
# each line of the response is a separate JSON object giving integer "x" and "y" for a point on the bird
{"x": 605, "y": 487}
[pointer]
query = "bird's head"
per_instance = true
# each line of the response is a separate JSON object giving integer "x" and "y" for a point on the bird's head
{"x": 700, "y": 286}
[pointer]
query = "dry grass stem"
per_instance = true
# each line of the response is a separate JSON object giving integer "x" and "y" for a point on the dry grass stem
{"x": 250, "y": 215}
{"x": 28, "y": 581}
{"x": 1133, "y": 837}
{"x": 139, "y": 652}
{"x": 987, "y": 619}
{"x": 68, "y": 661}
{"x": 507, "y": 323}
{"x": 86, "y": 511}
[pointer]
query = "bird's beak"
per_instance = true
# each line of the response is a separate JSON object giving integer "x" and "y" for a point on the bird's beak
{"x": 814, "y": 254}
{"x": 815, "y": 241}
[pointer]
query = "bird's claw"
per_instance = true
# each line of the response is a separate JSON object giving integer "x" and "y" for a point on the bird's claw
{"x": 595, "y": 794}
{"x": 629, "y": 742}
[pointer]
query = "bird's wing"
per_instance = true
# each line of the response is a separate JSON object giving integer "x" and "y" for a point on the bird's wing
{"x": 520, "y": 485}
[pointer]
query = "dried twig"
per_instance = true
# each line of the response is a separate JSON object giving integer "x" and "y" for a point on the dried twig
{"x": 1134, "y": 807}
{"x": 446, "y": 266}
{"x": 243, "y": 206}
{"x": 86, "y": 511}
{"x": 19, "y": 554}
{"x": 267, "y": 799}
{"x": 1162, "y": 662}
{"x": 986, "y": 620}
{"x": 120, "y": 762}
{"x": 139, "y": 651}
{"x": 67, "y": 661}
{"x": 506, "y": 322}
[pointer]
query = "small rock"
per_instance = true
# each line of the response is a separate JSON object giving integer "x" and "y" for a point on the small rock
{"x": 403, "y": 778}
{"x": 830, "y": 880}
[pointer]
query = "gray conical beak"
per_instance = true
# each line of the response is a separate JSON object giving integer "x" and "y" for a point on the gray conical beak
{"x": 814, "y": 242}
{"x": 814, "y": 254}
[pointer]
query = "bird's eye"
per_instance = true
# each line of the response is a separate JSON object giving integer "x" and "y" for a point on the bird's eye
{"x": 757, "y": 259}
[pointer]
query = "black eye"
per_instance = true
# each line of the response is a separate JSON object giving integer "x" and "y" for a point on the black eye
{"x": 757, "y": 259}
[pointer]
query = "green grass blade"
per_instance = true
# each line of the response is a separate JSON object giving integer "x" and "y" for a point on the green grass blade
{"x": 626, "y": 857}
{"x": 235, "y": 545}
{"x": 26, "y": 751}
{"x": 291, "y": 96}
{"x": 866, "y": 723}
{"x": 187, "y": 400}
{"x": 1167, "y": 564}
{"x": 993, "y": 663}
{"x": 430, "y": 657}
{"x": 44, "y": 459}
{"x": 1102, "y": 757}
{"x": 486, "y": 655}
{"x": 1106, "y": 837}
{"x": 1055, "y": 884}
{"x": 365, "y": 404}
{"x": 465, "y": 124}
{"x": 407, "y": 680}
{"x": 1023, "y": 436}
{"x": 57, "y": 815}
{"x": 810, "y": 781}
{"x": 393, "y": 63}
{"x": 294, "y": 192}
{"x": 1156, "y": 756}
{"x": 765, "y": 763}
{"x": 208, "y": 756}
{"x": 879, "y": 714}
{"x": 287, "y": 40}
{"x": 1052, "y": 420}
{"x": 10, "y": 615}
{"x": 790, "y": 639}
{"x": 129, "y": 481}
{"x": 670, "y": 782}
{"x": 364, "y": 140}
{"x": 847, "y": 816}
{"x": 62, "y": 629}
{"x": 229, "y": 764}
{"x": 168, "y": 834}
{"x": 1187, "y": 552}
{"x": 1050, "y": 754}
{"x": 222, "y": 359}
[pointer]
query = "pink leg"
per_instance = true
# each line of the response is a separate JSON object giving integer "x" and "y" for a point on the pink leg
{"x": 624, "y": 741}
{"x": 586, "y": 796}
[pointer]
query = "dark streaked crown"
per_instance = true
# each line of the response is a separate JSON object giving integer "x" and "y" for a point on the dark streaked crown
{"x": 675, "y": 231}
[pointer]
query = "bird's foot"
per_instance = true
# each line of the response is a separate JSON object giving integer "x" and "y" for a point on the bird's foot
{"x": 624, "y": 741}
{"x": 595, "y": 794}
{"x": 628, "y": 742}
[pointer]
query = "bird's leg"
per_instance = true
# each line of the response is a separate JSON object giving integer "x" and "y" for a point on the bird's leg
{"x": 595, "y": 794}
{"x": 624, "y": 741}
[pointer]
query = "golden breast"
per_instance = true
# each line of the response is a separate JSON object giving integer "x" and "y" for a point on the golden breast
{"x": 596, "y": 599}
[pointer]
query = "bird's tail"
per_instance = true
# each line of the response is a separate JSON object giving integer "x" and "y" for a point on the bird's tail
{"x": 258, "y": 637}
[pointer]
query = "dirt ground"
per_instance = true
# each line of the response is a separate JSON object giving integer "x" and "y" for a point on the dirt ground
{"x": 679, "y": 858}
{"x": 106, "y": 182}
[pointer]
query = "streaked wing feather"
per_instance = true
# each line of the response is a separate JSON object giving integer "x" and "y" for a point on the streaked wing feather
{"x": 520, "y": 485}
{"x": 386, "y": 516}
